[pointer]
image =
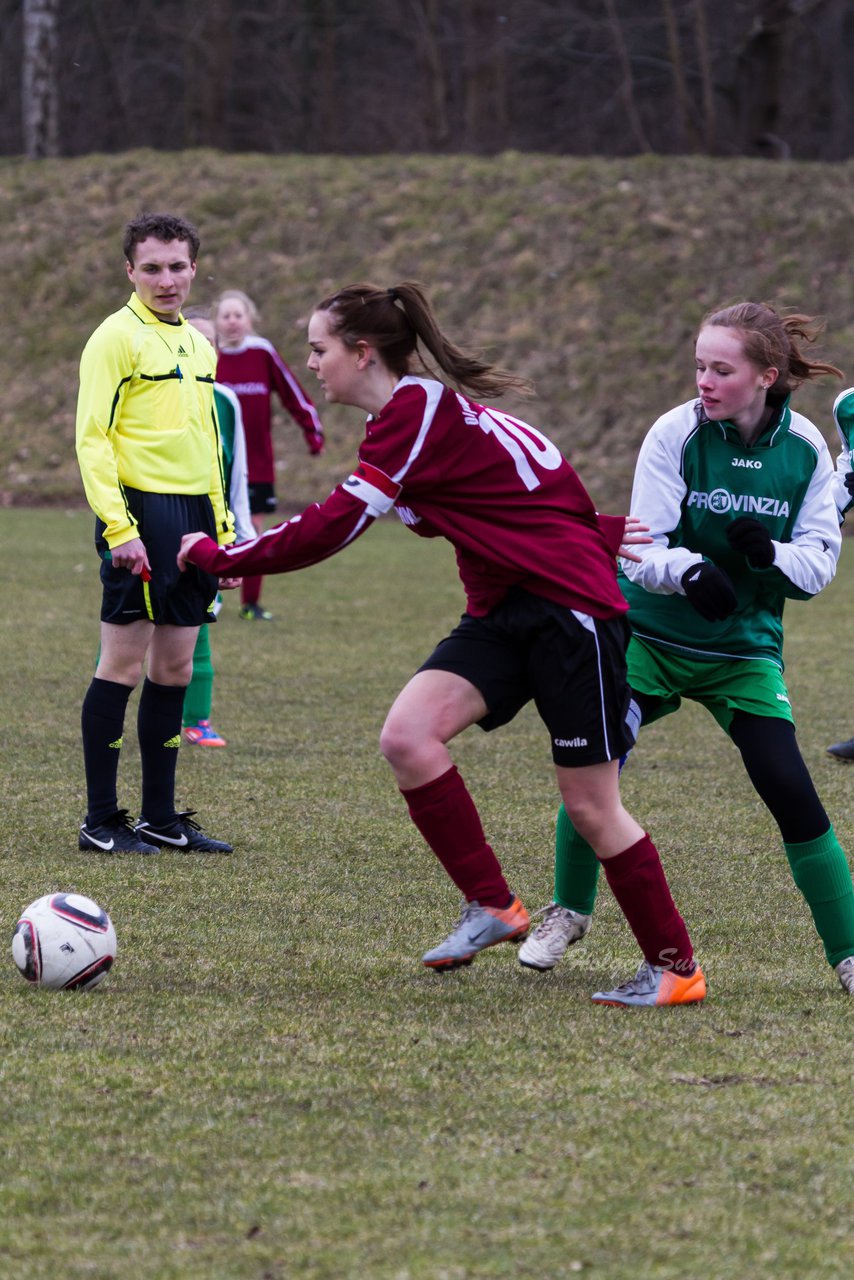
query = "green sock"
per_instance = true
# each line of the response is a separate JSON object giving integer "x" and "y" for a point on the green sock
{"x": 820, "y": 870}
{"x": 576, "y": 868}
{"x": 199, "y": 695}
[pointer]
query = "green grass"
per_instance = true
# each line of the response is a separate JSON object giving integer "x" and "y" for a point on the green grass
{"x": 268, "y": 1085}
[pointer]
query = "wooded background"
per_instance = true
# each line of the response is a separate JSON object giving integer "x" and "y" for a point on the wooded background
{"x": 583, "y": 77}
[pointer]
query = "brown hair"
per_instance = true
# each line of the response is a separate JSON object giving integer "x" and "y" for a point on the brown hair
{"x": 770, "y": 341}
{"x": 159, "y": 226}
{"x": 396, "y": 320}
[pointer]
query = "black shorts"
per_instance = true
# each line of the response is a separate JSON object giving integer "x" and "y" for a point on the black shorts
{"x": 572, "y": 665}
{"x": 262, "y": 499}
{"x": 173, "y": 598}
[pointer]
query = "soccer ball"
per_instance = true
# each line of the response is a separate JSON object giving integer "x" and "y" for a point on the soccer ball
{"x": 64, "y": 942}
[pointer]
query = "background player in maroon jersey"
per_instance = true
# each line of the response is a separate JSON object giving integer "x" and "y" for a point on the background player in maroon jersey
{"x": 544, "y": 616}
{"x": 252, "y": 367}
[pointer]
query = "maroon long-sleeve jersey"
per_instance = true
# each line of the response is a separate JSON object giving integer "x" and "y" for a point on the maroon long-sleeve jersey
{"x": 254, "y": 371}
{"x": 501, "y": 492}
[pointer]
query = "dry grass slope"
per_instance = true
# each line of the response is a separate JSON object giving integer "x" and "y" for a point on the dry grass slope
{"x": 587, "y": 275}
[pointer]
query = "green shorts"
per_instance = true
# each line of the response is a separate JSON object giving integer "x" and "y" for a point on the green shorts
{"x": 754, "y": 686}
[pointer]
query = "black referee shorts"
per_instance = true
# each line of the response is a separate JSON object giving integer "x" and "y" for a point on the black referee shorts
{"x": 572, "y": 665}
{"x": 170, "y": 598}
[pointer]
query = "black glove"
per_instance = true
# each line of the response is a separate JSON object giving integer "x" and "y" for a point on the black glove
{"x": 710, "y": 591}
{"x": 753, "y": 540}
{"x": 849, "y": 482}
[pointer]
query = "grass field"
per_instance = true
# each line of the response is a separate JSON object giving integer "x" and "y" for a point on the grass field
{"x": 268, "y": 1085}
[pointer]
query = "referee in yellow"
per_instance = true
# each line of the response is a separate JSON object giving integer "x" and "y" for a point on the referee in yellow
{"x": 150, "y": 459}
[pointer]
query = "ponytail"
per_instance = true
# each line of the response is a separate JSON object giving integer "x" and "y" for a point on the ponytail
{"x": 395, "y": 321}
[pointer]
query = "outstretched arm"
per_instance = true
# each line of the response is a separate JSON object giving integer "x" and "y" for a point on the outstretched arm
{"x": 318, "y": 533}
{"x": 658, "y": 491}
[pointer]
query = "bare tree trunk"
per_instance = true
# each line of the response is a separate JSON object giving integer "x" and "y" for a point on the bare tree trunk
{"x": 628, "y": 86}
{"x": 760, "y": 72}
{"x": 500, "y": 91}
{"x": 425, "y": 15}
{"x": 683, "y": 122}
{"x": 484, "y": 95}
{"x": 207, "y": 59}
{"x": 39, "y": 84}
{"x": 701, "y": 32}
{"x": 112, "y": 73}
{"x": 838, "y": 83}
{"x": 327, "y": 56}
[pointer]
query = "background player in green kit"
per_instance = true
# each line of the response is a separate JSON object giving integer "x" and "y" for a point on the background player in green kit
{"x": 149, "y": 454}
{"x": 198, "y": 699}
{"x": 737, "y": 490}
{"x": 843, "y": 487}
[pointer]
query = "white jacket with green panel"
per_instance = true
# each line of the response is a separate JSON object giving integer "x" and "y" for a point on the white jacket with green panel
{"x": 693, "y": 478}
{"x": 843, "y": 416}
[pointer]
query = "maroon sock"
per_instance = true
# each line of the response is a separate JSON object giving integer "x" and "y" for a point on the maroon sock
{"x": 250, "y": 589}
{"x": 445, "y": 814}
{"x": 637, "y": 881}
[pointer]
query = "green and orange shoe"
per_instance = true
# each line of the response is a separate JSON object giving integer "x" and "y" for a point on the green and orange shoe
{"x": 477, "y": 928}
{"x": 653, "y": 985}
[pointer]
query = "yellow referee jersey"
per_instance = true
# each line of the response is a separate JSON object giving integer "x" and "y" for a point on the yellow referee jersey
{"x": 146, "y": 418}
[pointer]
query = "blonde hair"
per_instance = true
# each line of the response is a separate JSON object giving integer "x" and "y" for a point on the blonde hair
{"x": 240, "y": 296}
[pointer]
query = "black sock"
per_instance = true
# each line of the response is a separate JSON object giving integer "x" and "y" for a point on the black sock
{"x": 159, "y": 729}
{"x": 102, "y": 724}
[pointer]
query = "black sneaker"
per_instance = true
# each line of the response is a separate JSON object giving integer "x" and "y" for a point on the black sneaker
{"x": 116, "y": 835}
{"x": 842, "y": 750}
{"x": 182, "y": 833}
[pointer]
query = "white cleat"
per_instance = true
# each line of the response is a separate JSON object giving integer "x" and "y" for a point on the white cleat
{"x": 845, "y": 973}
{"x": 559, "y": 929}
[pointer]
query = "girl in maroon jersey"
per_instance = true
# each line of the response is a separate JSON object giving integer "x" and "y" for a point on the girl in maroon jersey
{"x": 254, "y": 370}
{"x": 544, "y": 619}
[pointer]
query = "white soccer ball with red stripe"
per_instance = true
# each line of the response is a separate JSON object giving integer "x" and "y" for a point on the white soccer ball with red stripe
{"x": 64, "y": 942}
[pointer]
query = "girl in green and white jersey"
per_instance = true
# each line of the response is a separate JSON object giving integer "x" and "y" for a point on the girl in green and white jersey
{"x": 738, "y": 491}
{"x": 843, "y": 488}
